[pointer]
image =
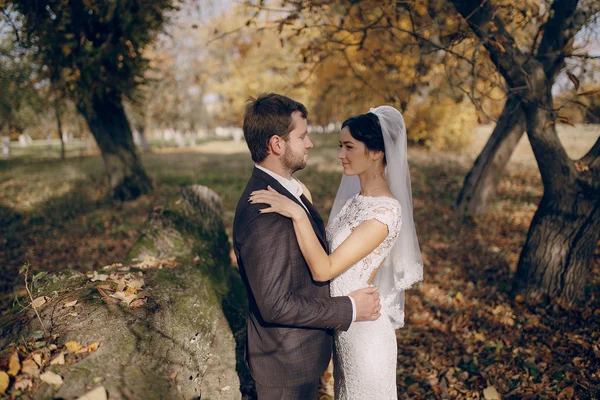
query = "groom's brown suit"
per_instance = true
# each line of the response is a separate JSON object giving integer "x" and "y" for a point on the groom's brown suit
{"x": 290, "y": 315}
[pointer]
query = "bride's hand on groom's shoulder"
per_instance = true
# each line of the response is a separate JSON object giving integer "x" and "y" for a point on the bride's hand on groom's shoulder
{"x": 305, "y": 191}
{"x": 277, "y": 202}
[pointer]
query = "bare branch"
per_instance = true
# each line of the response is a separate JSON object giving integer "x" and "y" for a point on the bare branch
{"x": 559, "y": 33}
{"x": 592, "y": 158}
{"x": 502, "y": 47}
{"x": 363, "y": 80}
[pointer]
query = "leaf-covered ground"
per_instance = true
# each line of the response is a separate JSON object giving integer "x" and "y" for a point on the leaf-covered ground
{"x": 464, "y": 335}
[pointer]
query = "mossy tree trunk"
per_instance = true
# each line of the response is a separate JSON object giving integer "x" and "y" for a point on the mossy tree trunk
{"x": 177, "y": 346}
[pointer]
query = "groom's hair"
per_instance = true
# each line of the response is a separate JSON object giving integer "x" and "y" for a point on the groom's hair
{"x": 268, "y": 115}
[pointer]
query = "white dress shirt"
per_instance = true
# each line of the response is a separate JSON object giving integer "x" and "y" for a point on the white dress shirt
{"x": 293, "y": 186}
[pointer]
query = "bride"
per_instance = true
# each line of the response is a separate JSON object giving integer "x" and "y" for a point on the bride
{"x": 372, "y": 239}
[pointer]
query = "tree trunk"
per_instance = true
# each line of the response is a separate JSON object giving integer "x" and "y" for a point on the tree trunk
{"x": 108, "y": 123}
{"x": 562, "y": 238}
{"x": 479, "y": 187}
{"x": 6, "y": 140}
{"x": 176, "y": 344}
{"x": 6, "y": 146}
{"x": 59, "y": 127}
{"x": 556, "y": 258}
{"x": 144, "y": 145}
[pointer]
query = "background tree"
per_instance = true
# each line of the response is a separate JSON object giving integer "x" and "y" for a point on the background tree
{"x": 566, "y": 227}
{"x": 20, "y": 102}
{"x": 442, "y": 63}
{"x": 92, "y": 52}
{"x": 360, "y": 54}
{"x": 527, "y": 44}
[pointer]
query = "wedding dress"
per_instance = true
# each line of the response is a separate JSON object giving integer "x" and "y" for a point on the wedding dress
{"x": 365, "y": 355}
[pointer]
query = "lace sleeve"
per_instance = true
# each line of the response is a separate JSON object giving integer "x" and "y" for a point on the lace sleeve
{"x": 387, "y": 214}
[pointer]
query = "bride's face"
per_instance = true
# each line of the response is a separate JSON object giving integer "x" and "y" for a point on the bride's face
{"x": 353, "y": 154}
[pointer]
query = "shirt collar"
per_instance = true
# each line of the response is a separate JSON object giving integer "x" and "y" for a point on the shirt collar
{"x": 291, "y": 185}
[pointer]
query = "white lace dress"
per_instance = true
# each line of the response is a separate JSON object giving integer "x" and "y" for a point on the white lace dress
{"x": 365, "y": 356}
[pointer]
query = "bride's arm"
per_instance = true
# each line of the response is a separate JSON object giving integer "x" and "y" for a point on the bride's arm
{"x": 362, "y": 241}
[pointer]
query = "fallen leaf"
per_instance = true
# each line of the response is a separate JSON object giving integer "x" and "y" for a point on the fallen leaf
{"x": 121, "y": 285}
{"x": 36, "y": 334}
{"x": 480, "y": 337}
{"x": 113, "y": 265}
{"x": 107, "y": 286}
{"x": 519, "y": 298}
{"x": 51, "y": 378}
{"x": 73, "y": 346}
{"x": 4, "y": 381}
{"x": 40, "y": 301}
{"x": 490, "y": 393}
{"x": 93, "y": 347}
{"x": 136, "y": 283}
{"x": 37, "y": 357}
{"x": 118, "y": 295}
{"x": 138, "y": 303}
{"x": 23, "y": 384}
{"x": 30, "y": 368}
{"x": 59, "y": 359}
{"x": 82, "y": 350}
{"x": 566, "y": 393}
{"x": 70, "y": 303}
{"x": 102, "y": 293}
{"x": 97, "y": 277}
{"x": 98, "y": 393}
{"x": 14, "y": 366}
{"x": 129, "y": 299}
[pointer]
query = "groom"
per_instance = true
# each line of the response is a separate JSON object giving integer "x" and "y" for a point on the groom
{"x": 290, "y": 315}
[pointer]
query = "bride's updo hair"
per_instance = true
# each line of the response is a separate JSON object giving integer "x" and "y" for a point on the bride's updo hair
{"x": 367, "y": 129}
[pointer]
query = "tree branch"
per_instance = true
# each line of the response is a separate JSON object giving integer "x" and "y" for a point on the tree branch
{"x": 592, "y": 158}
{"x": 502, "y": 47}
{"x": 559, "y": 33}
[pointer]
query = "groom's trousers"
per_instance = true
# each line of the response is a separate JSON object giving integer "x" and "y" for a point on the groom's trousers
{"x": 306, "y": 391}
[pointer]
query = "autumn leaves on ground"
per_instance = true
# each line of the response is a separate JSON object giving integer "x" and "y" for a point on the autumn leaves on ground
{"x": 465, "y": 336}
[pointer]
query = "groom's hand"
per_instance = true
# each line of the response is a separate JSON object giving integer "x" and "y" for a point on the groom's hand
{"x": 367, "y": 303}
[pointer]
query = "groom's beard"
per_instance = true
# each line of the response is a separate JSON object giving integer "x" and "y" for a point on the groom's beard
{"x": 293, "y": 162}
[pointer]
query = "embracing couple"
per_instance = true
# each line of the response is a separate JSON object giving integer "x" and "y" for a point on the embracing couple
{"x": 311, "y": 288}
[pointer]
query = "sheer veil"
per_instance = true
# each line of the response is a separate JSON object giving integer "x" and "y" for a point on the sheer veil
{"x": 404, "y": 266}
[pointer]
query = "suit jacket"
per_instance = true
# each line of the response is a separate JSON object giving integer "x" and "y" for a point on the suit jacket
{"x": 290, "y": 316}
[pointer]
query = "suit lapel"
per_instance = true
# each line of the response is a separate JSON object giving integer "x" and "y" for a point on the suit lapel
{"x": 313, "y": 215}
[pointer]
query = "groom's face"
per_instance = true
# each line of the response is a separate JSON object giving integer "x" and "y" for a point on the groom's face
{"x": 297, "y": 144}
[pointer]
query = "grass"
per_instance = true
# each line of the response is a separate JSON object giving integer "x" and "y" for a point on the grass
{"x": 463, "y": 332}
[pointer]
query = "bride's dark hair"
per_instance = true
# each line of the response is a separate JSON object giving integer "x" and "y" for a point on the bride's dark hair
{"x": 367, "y": 129}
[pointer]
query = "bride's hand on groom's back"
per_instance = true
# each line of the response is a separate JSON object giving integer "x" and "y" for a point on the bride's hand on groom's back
{"x": 367, "y": 303}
